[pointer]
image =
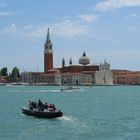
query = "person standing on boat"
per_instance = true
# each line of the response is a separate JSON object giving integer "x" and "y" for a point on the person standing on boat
{"x": 46, "y": 106}
{"x": 53, "y": 107}
{"x": 39, "y": 103}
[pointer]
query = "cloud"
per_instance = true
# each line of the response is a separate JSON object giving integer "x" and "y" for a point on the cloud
{"x": 8, "y": 29}
{"x": 111, "y": 4}
{"x": 120, "y": 53}
{"x": 11, "y": 27}
{"x": 35, "y": 31}
{"x": 132, "y": 15}
{"x": 89, "y": 18}
{"x": 66, "y": 28}
{"x": 28, "y": 27}
{"x": 6, "y": 13}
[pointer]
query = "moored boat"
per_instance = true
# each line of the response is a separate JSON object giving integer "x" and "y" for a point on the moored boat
{"x": 41, "y": 114}
{"x": 70, "y": 88}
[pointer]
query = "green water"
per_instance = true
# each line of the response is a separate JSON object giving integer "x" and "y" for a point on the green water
{"x": 95, "y": 113}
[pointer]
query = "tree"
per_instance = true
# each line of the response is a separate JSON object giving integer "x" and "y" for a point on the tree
{"x": 3, "y": 71}
{"x": 15, "y": 74}
{"x": 9, "y": 78}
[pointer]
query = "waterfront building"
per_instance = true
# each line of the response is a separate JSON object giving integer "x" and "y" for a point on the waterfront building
{"x": 126, "y": 77}
{"x": 104, "y": 75}
{"x": 83, "y": 73}
{"x": 26, "y": 77}
{"x": 46, "y": 78}
{"x": 78, "y": 79}
{"x": 3, "y": 79}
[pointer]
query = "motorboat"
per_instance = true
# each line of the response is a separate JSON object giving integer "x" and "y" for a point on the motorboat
{"x": 70, "y": 88}
{"x": 42, "y": 114}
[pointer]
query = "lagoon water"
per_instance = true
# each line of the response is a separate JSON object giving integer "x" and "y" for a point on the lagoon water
{"x": 94, "y": 113}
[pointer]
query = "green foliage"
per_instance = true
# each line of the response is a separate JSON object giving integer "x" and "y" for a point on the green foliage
{"x": 15, "y": 76}
{"x": 3, "y": 71}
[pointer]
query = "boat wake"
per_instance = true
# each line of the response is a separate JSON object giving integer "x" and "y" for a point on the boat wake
{"x": 48, "y": 91}
{"x": 21, "y": 114}
{"x": 67, "y": 118}
{"x": 80, "y": 126}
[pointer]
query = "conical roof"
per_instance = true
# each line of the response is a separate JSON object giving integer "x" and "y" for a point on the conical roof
{"x": 70, "y": 61}
{"x": 48, "y": 40}
{"x": 48, "y": 44}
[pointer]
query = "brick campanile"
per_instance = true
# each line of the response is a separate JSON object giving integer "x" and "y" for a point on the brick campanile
{"x": 48, "y": 53}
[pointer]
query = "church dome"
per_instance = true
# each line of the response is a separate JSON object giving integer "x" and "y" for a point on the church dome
{"x": 84, "y": 60}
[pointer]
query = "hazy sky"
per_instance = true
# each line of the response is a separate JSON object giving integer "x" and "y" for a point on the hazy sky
{"x": 105, "y": 29}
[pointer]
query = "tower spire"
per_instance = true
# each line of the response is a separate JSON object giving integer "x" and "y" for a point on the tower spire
{"x": 48, "y": 40}
{"x": 63, "y": 62}
{"x": 48, "y": 53}
{"x": 70, "y": 61}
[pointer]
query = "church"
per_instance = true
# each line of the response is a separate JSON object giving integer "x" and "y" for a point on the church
{"x": 82, "y": 74}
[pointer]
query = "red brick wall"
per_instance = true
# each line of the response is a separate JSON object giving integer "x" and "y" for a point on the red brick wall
{"x": 48, "y": 61}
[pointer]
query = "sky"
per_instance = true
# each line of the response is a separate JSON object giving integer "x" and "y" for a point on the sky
{"x": 104, "y": 29}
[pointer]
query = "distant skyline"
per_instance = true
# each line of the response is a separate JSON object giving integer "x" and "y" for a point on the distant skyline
{"x": 104, "y": 29}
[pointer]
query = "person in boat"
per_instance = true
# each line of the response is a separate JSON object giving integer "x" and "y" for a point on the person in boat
{"x": 46, "y": 106}
{"x": 51, "y": 107}
{"x": 40, "y": 105}
{"x": 35, "y": 104}
{"x": 31, "y": 105}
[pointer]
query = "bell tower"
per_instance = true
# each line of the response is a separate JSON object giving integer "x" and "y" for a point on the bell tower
{"x": 48, "y": 53}
{"x": 63, "y": 62}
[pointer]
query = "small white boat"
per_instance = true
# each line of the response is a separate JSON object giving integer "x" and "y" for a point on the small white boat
{"x": 70, "y": 88}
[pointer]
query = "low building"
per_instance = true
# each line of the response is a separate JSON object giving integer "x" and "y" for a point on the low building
{"x": 72, "y": 75}
{"x": 3, "y": 79}
{"x": 126, "y": 77}
{"x": 76, "y": 79}
{"x": 57, "y": 78}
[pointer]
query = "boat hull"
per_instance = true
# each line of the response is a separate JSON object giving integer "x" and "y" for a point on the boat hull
{"x": 42, "y": 114}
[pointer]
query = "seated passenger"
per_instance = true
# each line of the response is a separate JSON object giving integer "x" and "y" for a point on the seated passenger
{"x": 41, "y": 108}
{"x": 51, "y": 107}
{"x": 30, "y": 105}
